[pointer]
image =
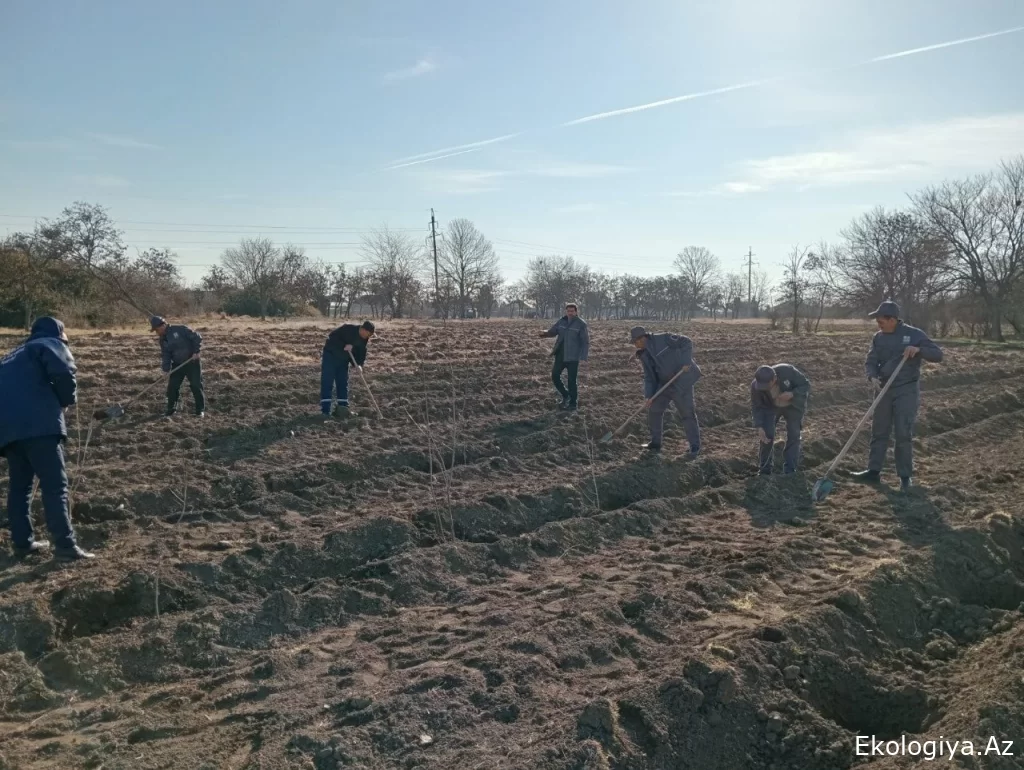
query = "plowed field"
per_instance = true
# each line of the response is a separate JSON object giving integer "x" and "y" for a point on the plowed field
{"x": 472, "y": 581}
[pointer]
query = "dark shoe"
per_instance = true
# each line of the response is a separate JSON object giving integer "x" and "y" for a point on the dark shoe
{"x": 564, "y": 403}
{"x": 200, "y": 415}
{"x": 72, "y": 554}
{"x": 694, "y": 451}
{"x": 169, "y": 416}
{"x": 789, "y": 472}
{"x": 341, "y": 412}
{"x": 764, "y": 473}
{"x": 905, "y": 483}
{"x": 866, "y": 477}
{"x": 651, "y": 447}
{"x": 573, "y": 406}
{"x": 32, "y": 549}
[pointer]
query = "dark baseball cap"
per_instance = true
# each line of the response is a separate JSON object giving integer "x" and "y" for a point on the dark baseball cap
{"x": 156, "y": 322}
{"x": 764, "y": 377}
{"x": 890, "y": 309}
{"x": 637, "y": 332}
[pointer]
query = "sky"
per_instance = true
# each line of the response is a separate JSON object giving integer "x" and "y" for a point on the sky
{"x": 614, "y": 132}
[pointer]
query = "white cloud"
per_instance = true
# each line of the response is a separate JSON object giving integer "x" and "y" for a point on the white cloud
{"x": 422, "y": 67}
{"x": 113, "y": 140}
{"x": 101, "y": 180}
{"x": 916, "y": 153}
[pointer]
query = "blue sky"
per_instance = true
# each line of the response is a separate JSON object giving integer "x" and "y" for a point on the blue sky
{"x": 313, "y": 121}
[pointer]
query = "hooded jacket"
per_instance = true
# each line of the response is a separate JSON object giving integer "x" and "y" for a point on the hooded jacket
{"x": 37, "y": 382}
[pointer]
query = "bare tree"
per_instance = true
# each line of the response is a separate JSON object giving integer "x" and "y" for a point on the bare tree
{"x": 468, "y": 261}
{"x": 734, "y": 290}
{"x": 981, "y": 219}
{"x": 30, "y": 271}
{"x": 256, "y": 265}
{"x": 394, "y": 263}
{"x": 698, "y": 267}
{"x": 85, "y": 234}
{"x": 822, "y": 279}
{"x": 761, "y": 293}
{"x": 794, "y": 282}
{"x": 893, "y": 256}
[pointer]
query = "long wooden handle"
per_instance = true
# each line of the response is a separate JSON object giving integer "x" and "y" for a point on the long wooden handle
{"x": 661, "y": 390}
{"x": 864, "y": 419}
{"x": 154, "y": 382}
{"x": 366, "y": 384}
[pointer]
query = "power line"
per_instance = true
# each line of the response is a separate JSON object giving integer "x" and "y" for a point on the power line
{"x": 298, "y": 228}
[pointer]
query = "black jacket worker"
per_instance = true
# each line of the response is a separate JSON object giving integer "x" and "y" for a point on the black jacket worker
{"x": 179, "y": 358}
{"x": 344, "y": 344}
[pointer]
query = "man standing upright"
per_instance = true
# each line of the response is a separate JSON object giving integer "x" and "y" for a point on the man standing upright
{"x": 37, "y": 383}
{"x": 779, "y": 392}
{"x": 571, "y": 348}
{"x": 179, "y": 358}
{"x": 663, "y": 356}
{"x": 344, "y": 344}
{"x": 894, "y": 341}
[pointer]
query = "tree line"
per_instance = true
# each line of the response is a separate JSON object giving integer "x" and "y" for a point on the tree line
{"x": 953, "y": 259}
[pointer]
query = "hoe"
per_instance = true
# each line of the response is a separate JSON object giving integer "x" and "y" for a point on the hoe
{"x": 824, "y": 485}
{"x": 113, "y": 412}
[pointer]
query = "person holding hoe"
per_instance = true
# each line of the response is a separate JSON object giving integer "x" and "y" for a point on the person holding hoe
{"x": 571, "y": 348}
{"x": 179, "y": 358}
{"x": 37, "y": 383}
{"x": 345, "y": 346}
{"x": 664, "y": 356}
{"x": 895, "y": 341}
{"x": 779, "y": 392}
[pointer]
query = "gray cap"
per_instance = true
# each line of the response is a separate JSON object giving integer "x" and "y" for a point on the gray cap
{"x": 637, "y": 332}
{"x": 764, "y": 377}
{"x": 887, "y": 308}
{"x": 156, "y": 322}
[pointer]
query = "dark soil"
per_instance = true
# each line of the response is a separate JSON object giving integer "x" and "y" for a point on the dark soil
{"x": 474, "y": 582}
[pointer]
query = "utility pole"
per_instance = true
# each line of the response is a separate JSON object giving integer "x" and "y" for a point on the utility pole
{"x": 437, "y": 286}
{"x": 750, "y": 280}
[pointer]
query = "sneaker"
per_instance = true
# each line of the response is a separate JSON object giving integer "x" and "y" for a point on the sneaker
{"x": 651, "y": 447}
{"x": 866, "y": 477}
{"x": 564, "y": 403}
{"x": 34, "y": 548}
{"x": 905, "y": 483}
{"x": 764, "y": 473}
{"x": 169, "y": 416}
{"x": 200, "y": 415}
{"x": 573, "y": 406}
{"x": 72, "y": 554}
{"x": 341, "y": 412}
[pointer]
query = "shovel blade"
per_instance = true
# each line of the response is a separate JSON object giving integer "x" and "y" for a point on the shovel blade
{"x": 821, "y": 490}
{"x": 607, "y": 437}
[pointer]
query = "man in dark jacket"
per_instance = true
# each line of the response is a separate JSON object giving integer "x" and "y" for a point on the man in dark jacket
{"x": 897, "y": 412}
{"x": 344, "y": 344}
{"x": 37, "y": 383}
{"x": 179, "y": 358}
{"x": 663, "y": 356}
{"x": 571, "y": 348}
{"x": 778, "y": 392}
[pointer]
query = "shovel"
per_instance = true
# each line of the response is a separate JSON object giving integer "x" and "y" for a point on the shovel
{"x": 113, "y": 412}
{"x": 824, "y": 485}
{"x": 612, "y": 434}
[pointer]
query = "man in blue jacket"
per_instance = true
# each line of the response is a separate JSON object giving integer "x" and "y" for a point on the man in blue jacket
{"x": 897, "y": 412}
{"x": 663, "y": 356}
{"x": 37, "y": 383}
{"x": 571, "y": 348}
{"x": 343, "y": 345}
{"x": 180, "y": 345}
{"x": 779, "y": 392}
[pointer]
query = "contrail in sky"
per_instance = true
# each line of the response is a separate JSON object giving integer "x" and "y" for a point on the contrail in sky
{"x": 948, "y": 44}
{"x": 429, "y": 157}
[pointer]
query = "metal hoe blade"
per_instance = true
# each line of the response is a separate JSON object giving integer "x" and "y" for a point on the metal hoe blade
{"x": 110, "y": 413}
{"x": 821, "y": 490}
{"x": 606, "y": 437}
